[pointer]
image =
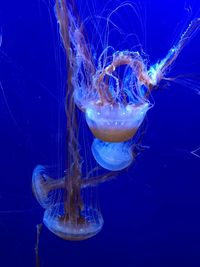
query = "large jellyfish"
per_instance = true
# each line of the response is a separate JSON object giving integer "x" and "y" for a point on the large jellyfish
{"x": 115, "y": 101}
{"x": 114, "y": 94}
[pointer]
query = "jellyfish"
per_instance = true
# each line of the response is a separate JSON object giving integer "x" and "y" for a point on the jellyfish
{"x": 122, "y": 104}
{"x": 114, "y": 94}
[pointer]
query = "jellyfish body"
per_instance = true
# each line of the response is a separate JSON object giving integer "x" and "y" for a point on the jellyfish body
{"x": 41, "y": 186}
{"x": 88, "y": 225}
{"x": 112, "y": 156}
{"x": 114, "y": 123}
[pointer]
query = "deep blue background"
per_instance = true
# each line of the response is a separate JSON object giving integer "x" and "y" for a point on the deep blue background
{"x": 151, "y": 212}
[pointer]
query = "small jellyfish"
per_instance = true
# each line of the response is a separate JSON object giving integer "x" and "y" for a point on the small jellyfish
{"x": 112, "y": 156}
{"x": 44, "y": 186}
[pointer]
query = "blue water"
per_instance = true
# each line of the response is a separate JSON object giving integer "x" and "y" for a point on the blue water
{"x": 151, "y": 211}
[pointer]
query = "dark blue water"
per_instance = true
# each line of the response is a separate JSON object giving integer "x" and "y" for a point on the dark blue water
{"x": 151, "y": 211}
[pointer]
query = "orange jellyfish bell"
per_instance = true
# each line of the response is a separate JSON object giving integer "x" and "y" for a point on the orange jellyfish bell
{"x": 115, "y": 123}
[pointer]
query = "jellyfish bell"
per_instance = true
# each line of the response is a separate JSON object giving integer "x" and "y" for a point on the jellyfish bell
{"x": 115, "y": 123}
{"x": 40, "y": 186}
{"x": 44, "y": 186}
{"x": 112, "y": 156}
{"x": 85, "y": 226}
